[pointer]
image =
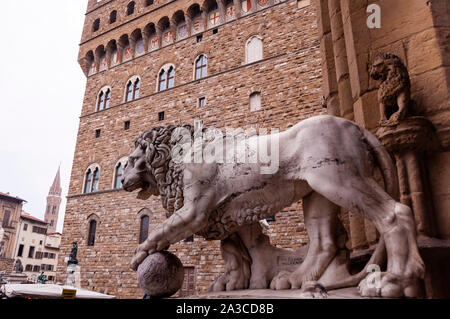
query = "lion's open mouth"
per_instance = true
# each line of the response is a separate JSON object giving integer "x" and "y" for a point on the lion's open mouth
{"x": 137, "y": 185}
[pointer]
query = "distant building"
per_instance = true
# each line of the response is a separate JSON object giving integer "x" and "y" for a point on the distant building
{"x": 10, "y": 209}
{"x": 37, "y": 249}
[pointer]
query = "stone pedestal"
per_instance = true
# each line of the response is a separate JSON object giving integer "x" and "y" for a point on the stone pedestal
{"x": 16, "y": 278}
{"x": 73, "y": 276}
{"x": 408, "y": 141}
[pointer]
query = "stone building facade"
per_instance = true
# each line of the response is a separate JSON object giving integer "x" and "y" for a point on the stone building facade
{"x": 37, "y": 247}
{"x": 232, "y": 63}
{"x": 10, "y": 210}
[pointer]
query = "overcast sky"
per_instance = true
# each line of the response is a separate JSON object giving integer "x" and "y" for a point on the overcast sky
{"x": 41, "y": 87}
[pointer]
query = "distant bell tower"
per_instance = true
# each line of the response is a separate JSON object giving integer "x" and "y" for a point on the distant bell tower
{"x": 53, "y": 202}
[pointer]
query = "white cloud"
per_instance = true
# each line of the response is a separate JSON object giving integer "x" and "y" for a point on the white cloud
{"x": 41, "y": 89}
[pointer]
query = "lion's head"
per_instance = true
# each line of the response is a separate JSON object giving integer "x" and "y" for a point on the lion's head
{"x": 387, "y": 65}
{"x": 151, "y": 169}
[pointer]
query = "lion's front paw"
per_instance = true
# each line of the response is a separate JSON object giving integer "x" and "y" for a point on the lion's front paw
{"x": 138, "y": 258}
{"x": 229, "y": 282}
{"x": 313, "y": 290}
{"x": 281, "y": 281}
{"x": 388, "y": 285}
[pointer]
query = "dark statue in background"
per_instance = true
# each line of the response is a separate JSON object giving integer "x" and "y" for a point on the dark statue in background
{"x": 73, "y": 255}
{"x": 18, "y": 268}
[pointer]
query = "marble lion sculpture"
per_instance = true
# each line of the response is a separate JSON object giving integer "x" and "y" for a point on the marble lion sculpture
{"x": 325, "y": 161}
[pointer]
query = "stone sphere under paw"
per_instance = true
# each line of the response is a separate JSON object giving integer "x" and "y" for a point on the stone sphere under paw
{"x": 161, "y": 274}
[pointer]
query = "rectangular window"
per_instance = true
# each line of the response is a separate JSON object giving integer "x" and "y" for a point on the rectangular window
{"x": 201, "y": 101}
{"x": 25, "y": 227}
{"x": 45, "y": 255}
{"x": 36, "y": 268}
{"x": 188, "y": 287}
{"x": 97, "y": 133}
{"x": 20, "y": 251}
{"x": 6, "y": 217}
{"x": 199, "y": 38}
{"x": 127, "y": 125}
{"x": 54, "y": 210}
{"x": 29, "y": 268}
{"x": 31, "y": 252}
{"x": 190, "y": 239}
{"x": 215, "y": 31}
{"x": 161, "y": 116}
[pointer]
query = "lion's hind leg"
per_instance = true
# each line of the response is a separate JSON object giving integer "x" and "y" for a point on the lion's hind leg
{"x": 237, "y": 265}
{"x": 321, "y": 223}
{"x": 393, "y": 220}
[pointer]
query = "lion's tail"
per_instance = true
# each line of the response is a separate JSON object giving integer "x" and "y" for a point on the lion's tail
{"x": 389, "y": 174}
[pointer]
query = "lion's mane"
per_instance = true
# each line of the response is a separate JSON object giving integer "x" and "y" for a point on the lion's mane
{"x": 158, "y": 144}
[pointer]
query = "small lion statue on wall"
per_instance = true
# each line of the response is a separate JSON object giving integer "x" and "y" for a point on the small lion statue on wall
{"x": 325, "y": 161}
{"x": 395, "y": 88}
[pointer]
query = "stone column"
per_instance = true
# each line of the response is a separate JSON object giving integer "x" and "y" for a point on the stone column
{"x": 120, "y": 49}
{"x": 205, "y": 19}
{"x": 188, "y": 25}
{"x": 146, "y": 38}
{"x": 340, "y": 59}
{"x": 159, "y": 35}
{"x": 237, "y": 8}
{"x": 173, "y": 29}
{"x": 132, "y": 46}
{"x": 329, "y": 86}
{"x": 408, "y": 141}
{"x": 254, "y": 7}
{"x": 222, "y": 12}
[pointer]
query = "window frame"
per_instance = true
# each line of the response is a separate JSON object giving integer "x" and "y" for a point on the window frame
{"x": 144, "y": 228}
{"x": 92, "y": 231}
{"x": 169, "y": 77}
{"x": 133, "y": 89}
{"x": 91, "y": 168}
{"x": 202, "y": 67}
{"x": 131, "y": 6}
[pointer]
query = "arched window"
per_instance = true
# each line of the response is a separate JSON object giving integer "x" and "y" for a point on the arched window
{"x": 130, "y": 8}
{"x": 92, "y": 230}
{"x": 129, "y": 91}
{"x": 107, "y": 98}
{"x": 162, "y": 80}
{"x": 118, "y": 176}
{"x": 96, "y": 25}
{"x": 143, "y": 232}
{"x": 200, "y": 67}
{"x": 95, "y": 180}
{"x": 166, "y": 78}
{"x": 88, "y": 182}
{"x": 118, "y": 172}
{"x": 254, "y": 49}
{"x": 171, "y": 78}
{"x": 103, "y": 99}
{"x": 113, "y": 16}
{"x": 91, "y": 179}
{"x": 136, "y": 88}
{"x": 132, "y": 89}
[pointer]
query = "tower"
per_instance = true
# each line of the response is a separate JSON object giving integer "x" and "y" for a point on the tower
{"x": 53, "y": 202}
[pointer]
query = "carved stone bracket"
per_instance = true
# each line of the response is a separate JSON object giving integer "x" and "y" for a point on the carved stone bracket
{"x": 408, "y": 141}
